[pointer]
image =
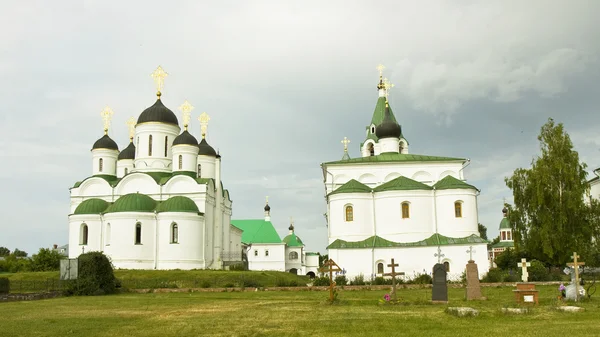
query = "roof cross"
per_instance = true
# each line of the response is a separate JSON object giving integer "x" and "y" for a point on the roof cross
{"x": 186, "y": 110}
{"x": 159, "y": 79}
{"x": 131, "y": 126}
{"x": 204, "y": 118}
{"x": 106, "y": 116}
{"x": 345, "y": 141}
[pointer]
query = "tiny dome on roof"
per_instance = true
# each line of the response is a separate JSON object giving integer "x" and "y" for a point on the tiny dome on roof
{"x": 133, "y": 202}
{"x": 91, "y": 206}
{"x": 205, "y": 149}
{"x": 267, "y": 208}
{"x": 178, "y": 204}
{"x": 128, "y": 152}
{"x": 185, "y": 138}
{"x": 158, "y": 113}
{"x": 388, "y": 127}
{"x": 105, "y": 143}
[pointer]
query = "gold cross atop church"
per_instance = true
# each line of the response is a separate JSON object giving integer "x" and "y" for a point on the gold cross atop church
{"x": 186, "y": 111}
{"x": 380, "y": 68}
{"x": 204, "y": 118}
{"x": 159, "y": 79}
{"x": 131, "y": 127}
{"x": 106, "y": 116}
{"x": 346, "y": 141}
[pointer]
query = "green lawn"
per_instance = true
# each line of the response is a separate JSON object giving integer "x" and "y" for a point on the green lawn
{"x": 291, "y": 313}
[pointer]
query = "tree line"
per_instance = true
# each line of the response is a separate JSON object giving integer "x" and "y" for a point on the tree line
{"x": 46, "y": 259}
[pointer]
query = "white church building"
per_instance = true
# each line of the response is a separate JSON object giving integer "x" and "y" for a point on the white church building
{"x": 389, "y": 203}
{"x": 160, "y": 202}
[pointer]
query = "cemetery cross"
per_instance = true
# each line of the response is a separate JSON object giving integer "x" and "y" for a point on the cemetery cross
{"x": 576, "y": 265}
{"x": 471, "y": 251}
{"x": 439, "y": 254}
{"x": 330, "y": 266}
{"x": 524, "y": 264}
{"x": 393, "y": 275}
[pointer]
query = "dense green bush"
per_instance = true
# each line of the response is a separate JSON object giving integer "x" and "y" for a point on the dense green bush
{"x": 4, "y": 285}
{"x": 538, "y": 272}
{"x": 422, "y": 279}
{"x": 321, "y": 281}
{"x": 238, "y": 267}
{"x": 95, "y": 276}
{"x": 379, "y": 280}
{"x": 341, "y": 280}
{"x": 46, "y": 260}
{"x": 493, "y": 275}
{"x": 359, "y": 280}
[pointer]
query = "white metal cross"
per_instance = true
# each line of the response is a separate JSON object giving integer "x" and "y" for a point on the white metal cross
{"x": 524, "y": 264}
{"x": 471, "y": 251}
{"x": 439, "y": 254}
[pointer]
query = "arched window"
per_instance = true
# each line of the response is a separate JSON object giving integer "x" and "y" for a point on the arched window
{"x": 293, "y": 256}
{"x": 380, "y": 268}
{"x": 166, "y": 144}
{"x": 100, "y": 165}
{"x": 405, "y": 210}
{"x": 349, "y": 213}
{"x": 150, "y": 145}
{"x": 199, "y": 171}
{"x": 503, "y": 235}
{"x": 126, "y": 171}
{"x": 400, "y": 146}
{"x": 83, "y": 238}
{"x": 372, "y": 129}
{"x": 447, "y": 265}
{"x": 508, "y": 235}
{"x": 138, "y": 233}
{"x": 458, "y": 209}
{"x": 371, "y": 149}
{"x": 180, "y": 161}
{"x": 174, "y": 233}
{"x": 108, "y": 234}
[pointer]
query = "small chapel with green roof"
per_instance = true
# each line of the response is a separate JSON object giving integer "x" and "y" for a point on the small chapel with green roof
{"x": 389, "y": 203}
{"x": 159, "y": 203}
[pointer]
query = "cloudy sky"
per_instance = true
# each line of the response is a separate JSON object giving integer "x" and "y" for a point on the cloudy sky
{"x": 284, "y": 82}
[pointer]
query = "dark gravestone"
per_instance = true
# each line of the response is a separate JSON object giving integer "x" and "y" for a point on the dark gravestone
{"x": 439, "y": 290}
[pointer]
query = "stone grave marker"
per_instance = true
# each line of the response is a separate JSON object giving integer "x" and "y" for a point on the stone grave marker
{"x": 393, "y": 274}
{"x": 439, "y": 290}
{"x": 473, "y": 287}
{"x": 525, "y": 292}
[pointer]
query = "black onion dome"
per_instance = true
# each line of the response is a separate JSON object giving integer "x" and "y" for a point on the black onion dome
{"x": 105, "y": 143}
{"x": 128, "y": 152}
{"x": 158, "y": 113}
{"x": 388, "y": 128}
{"x": 267, "y": 208}
{"x": 205, "y": 149}
{"x": 185, "y": 138}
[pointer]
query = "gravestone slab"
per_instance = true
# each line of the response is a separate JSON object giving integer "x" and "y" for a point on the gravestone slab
{"x": 462, "y": 311}
{"x": 570, "y": 308}
{"x": 473, "y": 287}
{"x": 439, "y": 290}
{"x": 516, "y": 311}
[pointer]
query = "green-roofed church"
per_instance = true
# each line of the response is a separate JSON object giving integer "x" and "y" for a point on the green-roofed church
{"x": 389, "y": 203}
{"x": 265, "y": 250}
{"x": 160, "y": 202}
{"x": 506, "y": 239}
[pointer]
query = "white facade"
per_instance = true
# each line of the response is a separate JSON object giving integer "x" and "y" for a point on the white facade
{"x": 391, "y": 204}
{"x": 147, "y": 211}
{"x": 266, "y": 256}
{"x": 594, "y": 184}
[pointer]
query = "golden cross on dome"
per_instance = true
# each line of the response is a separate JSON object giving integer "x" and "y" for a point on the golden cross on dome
{"x": 387, "y": 85}
{"x": 267, "y": 199}
{"x": 204, "y": 118}
{"x": 380, "y": 68}
{"x": 186, "y": 109}
{"x": 131, "y": 126}
{"x": 159, "y": 79}
{"x": 106, "y": 116}
{"x": 346, "y": 141}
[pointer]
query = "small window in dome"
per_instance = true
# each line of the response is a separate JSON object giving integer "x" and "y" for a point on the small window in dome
{"x": 174, "y": 233}
{"x": 199, "y": 170}
{"x": 180, "y": 161}
{"x": 372, "y": 129}
{"x": 150, "y": 145}
{"x": 255, "y": 252}
{"x": 138, "y": 233}
{"x": 266, "y": 252}
{"x": 293, "y": 256}
{"x": 371, "y": 149}
{"x": 405, "y": 210}
{"x": 83, "y": 238}
{"x": 166, "y": 145}
{"x": 100, "y": 165}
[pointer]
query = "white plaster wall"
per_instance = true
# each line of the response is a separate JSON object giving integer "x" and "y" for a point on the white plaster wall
{"x": 183, "y": 185}
{"x": 94, "y": 234}
{"x": 93, "y": 187}
{"x": 297, "y": 263}
{"x": 362, "y": 225}
{"x": 235, "y": 240}
{"x": 412, "y": 261}
{"x": 275, "y": 260}
{"x": 187, "y": 253}
{"x": 595, "y": 189}
{"x": 450, "y": 225}
{"x": 208, "y": 166}
{"x": 375, "y": 174}
{"x": 137, "y": 182}
{"x": 389, "y": 221}
{"x": 189, "y": 158}
{"x": 125, "y": 253}
{"x": 389, "y": 145}
{"x": 311, "y": 264}
{"x": 157, "y": 161}
{"x": 122, "y": 165}
{"x": 109, "y": 161}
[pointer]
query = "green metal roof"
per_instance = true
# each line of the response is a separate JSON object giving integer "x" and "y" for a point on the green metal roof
{"x": 111, "y": 180}
{"x": 394, "y": 158}
{"x": 504, "y": 244}
{"x": 312, "y": 254}
{"x": 402, "y": 184}
{"x": 178, "y": 204}
{"x": 379, "y": 242}
{"x": 133, "y": 202}
{"x": 161, "y": 178}
{"x": 293, "y": 241}
{"x": 505, "y": 224}
{"x": 352, "y": 186}
{"x": 92, "y": 206}
{"x": 378, "y": 115}
{"x": 257, "y": 231}
{"x": 450, "y": 183}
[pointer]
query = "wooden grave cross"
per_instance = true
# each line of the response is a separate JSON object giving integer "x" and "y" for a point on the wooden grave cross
{"x": 576, "y": 265}
{"x": 524, "y": 264}
{"x": 393, "y": 274}
{"x": 330, "y": 266}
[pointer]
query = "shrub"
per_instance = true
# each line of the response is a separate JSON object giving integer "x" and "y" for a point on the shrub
{"x": 95, "y": 276}
{"x": 511, "y": 277}
{"x": 493, "y": 275}
{"x": 422, "y": 279}
{"x": 341, "y": 280}
{"x": 251, "y": 283}
{"x": 538, "y": 272}
{"x": 359, "y": 280}
{"x": 321, "y": 281}
{"x": 379, "y": 280}
{"x": 4, "y": 285}
{"x": 238, "y": 267}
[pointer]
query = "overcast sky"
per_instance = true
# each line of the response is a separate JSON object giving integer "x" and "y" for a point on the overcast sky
{"x": 283, "y": 83}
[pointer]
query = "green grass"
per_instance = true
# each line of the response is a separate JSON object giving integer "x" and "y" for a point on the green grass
{"x": 292, "y": 313}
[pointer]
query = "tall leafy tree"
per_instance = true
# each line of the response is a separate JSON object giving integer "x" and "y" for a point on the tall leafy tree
{"x": 4, "y": 251}
{"x": 550, "y": 218}
{"x": 482, "y": 231}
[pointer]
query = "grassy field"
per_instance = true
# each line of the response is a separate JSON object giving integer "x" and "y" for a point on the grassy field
{"x": 291, "y": 313}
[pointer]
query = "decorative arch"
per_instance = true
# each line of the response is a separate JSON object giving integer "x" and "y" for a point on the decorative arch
{"x": 311, "y": 274}
{"x": 448, "y": 173}
{"x": 367, "y": 178}
{"x": 423, "y": 176}
{"x": 458, "y": 209}
{"x": 348, "y": 213}
{"x": 391, "y": 176}
{"x": 181, "y": 184}
{"x": 95, "y": 186}
{"x": 340, "y": 179}
{"x": 137, "y": 182}
{"x": 83, "y": 234}
{"x": 293, "y": 256}
{"x": 405, "y": 209}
